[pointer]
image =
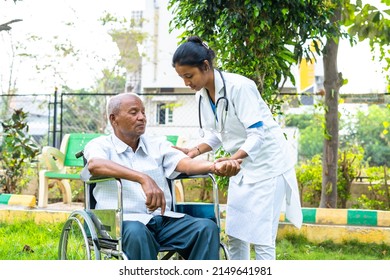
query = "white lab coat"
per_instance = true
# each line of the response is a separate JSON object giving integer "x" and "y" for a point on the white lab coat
{"x": 253, "y": 209}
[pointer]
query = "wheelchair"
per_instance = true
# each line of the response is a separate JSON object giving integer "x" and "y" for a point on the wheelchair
{"x": 95, "y": 234}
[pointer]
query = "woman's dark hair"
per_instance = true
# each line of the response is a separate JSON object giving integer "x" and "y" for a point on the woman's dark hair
{"x": 193, "y": 52}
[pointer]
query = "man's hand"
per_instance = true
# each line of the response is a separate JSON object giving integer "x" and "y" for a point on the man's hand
{"x": 154, "y": 195}
{"x": 227, "y": 167}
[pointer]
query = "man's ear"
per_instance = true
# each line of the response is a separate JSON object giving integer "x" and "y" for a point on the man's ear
{"x": 112, "y": 119}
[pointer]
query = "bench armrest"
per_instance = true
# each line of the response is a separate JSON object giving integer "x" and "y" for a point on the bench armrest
{"x": 52, "y": 158}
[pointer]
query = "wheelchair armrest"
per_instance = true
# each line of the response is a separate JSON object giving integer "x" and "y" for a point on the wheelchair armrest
{"x": 90, "y": 184}
{"x": 185, "y": 176}
{"x": 99, "y": 179}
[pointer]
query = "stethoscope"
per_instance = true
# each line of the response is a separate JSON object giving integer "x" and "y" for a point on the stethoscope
{"x": 222, "y": 120}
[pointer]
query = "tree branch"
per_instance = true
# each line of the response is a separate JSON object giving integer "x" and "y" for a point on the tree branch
{"x": 6, "y": 27}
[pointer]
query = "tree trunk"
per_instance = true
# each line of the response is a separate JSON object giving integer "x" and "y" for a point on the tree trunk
{"x": 386, "y": 186}
{"x": 332, "y": 84}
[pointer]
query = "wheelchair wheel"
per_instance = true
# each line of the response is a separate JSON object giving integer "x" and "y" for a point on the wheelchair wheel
{"x": 78, "y": 239}
{"x": 223, "y": 252}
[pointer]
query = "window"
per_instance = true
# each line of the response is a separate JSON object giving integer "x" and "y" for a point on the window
{"x": 164, "y": 114}
{"x": 136, "y": 19}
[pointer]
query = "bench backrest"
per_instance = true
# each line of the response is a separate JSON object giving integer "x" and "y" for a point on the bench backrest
{"x": 75, "y": 142}
{"x": 172, "y": 138}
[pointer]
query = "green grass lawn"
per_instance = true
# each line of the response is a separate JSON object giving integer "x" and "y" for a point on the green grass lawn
{"x": 29, "y": 241}
{"x": 298, "y": 248}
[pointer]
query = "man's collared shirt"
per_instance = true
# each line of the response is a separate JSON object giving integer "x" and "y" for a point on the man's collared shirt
{"x": 153, "y": 157}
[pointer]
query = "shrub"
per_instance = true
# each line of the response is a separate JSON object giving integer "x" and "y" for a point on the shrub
{"x": 18, "y": 150}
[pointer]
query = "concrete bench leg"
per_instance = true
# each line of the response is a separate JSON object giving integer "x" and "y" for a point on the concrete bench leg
{"x": 66, "y": 191}
{"x": 43, "y": 189}
{"x": 43, "y": 193}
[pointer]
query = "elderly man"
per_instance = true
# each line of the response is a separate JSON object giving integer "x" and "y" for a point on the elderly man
{"x": 144, "y": 164}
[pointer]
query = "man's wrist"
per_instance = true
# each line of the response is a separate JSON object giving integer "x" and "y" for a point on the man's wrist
{"x": 212, "y": 168}
{"x": 197, "y": 148}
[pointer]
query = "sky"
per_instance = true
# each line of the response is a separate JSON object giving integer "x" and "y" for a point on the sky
{"x": 356, "y": 65}
{"x": 46, "y": 18}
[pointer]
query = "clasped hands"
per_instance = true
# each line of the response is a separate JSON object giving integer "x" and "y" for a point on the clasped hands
{"x": 155, "y": 196}
{"x": 227, "y": 167}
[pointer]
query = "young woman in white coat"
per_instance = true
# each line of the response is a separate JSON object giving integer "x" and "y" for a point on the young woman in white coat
{"x": 232, "y": 114}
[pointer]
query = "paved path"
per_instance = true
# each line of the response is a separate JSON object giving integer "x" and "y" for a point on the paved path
{"x": 51, "y": 207}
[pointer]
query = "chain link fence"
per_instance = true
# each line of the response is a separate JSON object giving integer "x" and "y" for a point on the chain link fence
{"x": 51, "y": 116}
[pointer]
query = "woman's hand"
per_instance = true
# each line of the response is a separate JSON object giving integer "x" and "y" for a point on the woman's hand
{"x": 189, "y": 152}
{"x": 184, "y": 150}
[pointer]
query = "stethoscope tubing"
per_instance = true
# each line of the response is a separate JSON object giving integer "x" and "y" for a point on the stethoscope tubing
{"x": 201, "y": 132}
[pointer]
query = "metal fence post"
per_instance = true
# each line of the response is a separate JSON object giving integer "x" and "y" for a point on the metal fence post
{"x": 54, "y": 144}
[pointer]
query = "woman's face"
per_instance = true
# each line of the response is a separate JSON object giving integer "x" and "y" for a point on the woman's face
{"x": 193, "y": 77}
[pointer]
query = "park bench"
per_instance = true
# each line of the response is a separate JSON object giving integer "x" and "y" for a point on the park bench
{"x": 60, "y": 165}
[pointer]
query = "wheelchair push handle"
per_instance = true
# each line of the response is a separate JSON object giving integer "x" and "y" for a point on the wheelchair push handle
{"x": 79, "y": 154}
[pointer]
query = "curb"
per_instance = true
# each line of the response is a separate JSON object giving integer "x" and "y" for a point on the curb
{"x": 15, "y": 215}
{"x": 18, "y": 199}
{"x": 337, "y": 233}
{"x": 350, "y": 217}
{"x": 338, "y": 225}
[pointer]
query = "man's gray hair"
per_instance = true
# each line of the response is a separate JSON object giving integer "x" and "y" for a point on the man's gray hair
{"x": 114, "y": 103}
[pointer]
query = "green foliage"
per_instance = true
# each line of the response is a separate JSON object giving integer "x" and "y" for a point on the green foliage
{"x": 309, "y": 177}
{"x": 78, "y": 110}
{"x": 367, "y": 22}
{"x": 17, "y": 152}
{"x": 350, "y": 164}
{"x": 260, "y": 40}
{"x": 205, "y": 187}
{"x": 222, "y": 181}
{"x": 311, "y": 139}
{"x": 357, "y": 130}
{"x": 301, "y": 121}
{"x": 263, "y": 39}
{"x": 374, "y": 138}
{"x": 378, "y": 197}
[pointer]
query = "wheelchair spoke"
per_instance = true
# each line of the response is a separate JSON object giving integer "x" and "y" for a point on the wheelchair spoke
{"x": 76, "y": 242}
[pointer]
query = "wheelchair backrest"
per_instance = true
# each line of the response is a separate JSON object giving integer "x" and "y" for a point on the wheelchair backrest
{"x": 75, "y": 143}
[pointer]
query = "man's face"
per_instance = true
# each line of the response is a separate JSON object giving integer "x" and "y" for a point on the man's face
{"x": 130, "y": 120}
